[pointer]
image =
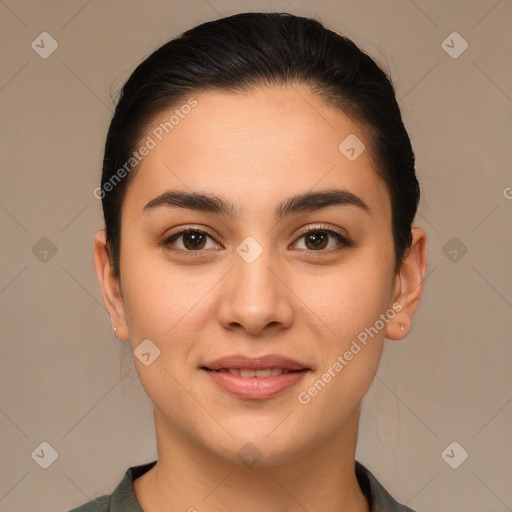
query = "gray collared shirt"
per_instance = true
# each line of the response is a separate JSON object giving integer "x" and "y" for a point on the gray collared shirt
{"x": 123, "y": 498}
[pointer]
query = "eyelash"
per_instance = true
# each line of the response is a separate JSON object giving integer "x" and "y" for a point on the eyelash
{"x": 344, "y": 242}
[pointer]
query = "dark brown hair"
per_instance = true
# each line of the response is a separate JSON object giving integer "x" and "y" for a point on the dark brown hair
{"x": 243, "y": 51}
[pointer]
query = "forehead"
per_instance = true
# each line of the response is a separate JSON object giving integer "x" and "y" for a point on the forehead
{"x": 255, "y": 147}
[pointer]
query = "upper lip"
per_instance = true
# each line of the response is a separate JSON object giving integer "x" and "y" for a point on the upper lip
{"x": 255, "y": 363}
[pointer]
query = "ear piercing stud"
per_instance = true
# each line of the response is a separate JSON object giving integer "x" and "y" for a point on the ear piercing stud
{"x": 402, "y": 328}
{"x": 115, "y": 329}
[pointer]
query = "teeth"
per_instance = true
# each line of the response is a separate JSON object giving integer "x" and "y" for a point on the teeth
{"x": 247, "y": 372}
{"x": 264, "y": 373}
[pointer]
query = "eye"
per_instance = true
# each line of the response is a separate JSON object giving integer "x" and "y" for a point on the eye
{"x": 317, "y": 239}
{"x": 195, "y": 240}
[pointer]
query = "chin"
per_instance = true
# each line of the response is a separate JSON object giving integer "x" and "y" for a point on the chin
{"x": 258, "y": 449}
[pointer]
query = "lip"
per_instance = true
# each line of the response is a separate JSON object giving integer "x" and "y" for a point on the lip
{"x": 255, "y": 363}
{"x": 255, "y": 388}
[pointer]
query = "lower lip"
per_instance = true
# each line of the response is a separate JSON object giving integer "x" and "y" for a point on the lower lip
{"x": 254, "y": 388}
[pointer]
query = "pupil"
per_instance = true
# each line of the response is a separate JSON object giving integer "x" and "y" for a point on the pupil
{"x": 317, "y": 237}
{"x": 194, "y": 238}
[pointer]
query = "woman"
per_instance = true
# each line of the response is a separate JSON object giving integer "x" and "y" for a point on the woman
{"x": 258, "y": 190}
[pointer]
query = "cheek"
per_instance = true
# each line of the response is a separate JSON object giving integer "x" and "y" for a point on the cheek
{"x": 158, "y": 295}
{"x": 348, "y": 298}
{"x": 164, "y": 305}
{"x": 350, "y": 303}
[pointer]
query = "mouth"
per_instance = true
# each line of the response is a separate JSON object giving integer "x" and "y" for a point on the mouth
{"x": 255, "y": 378}
{"x": 248, "y": 372}
{"x": 267, "y": 362}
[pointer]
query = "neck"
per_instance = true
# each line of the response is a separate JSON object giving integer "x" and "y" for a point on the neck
{"x": 188, "y": 477}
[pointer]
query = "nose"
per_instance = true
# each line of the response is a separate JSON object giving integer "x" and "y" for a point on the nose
{"x": 255, "y": 296}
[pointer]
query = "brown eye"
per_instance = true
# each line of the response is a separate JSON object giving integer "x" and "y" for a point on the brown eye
{"x": 196, "y": 240}
{"x": 318, "y": 239}
{"x": 192, "y": 239}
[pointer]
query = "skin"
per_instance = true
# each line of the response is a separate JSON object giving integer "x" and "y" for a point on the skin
{"x": 257, "y": 149}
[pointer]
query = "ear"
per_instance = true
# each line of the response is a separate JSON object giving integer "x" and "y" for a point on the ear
{"x": 110, "y": 288}
{"x": 409, "y": 286}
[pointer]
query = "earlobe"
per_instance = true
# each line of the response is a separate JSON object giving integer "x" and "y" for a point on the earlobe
{"x": 409, "y": 285}
{"x": 109, "y": 284}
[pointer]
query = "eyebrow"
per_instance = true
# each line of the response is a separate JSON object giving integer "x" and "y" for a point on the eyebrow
{"x": 206, "y": 202}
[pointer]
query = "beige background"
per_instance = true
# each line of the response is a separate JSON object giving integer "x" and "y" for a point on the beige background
{"x": 67, "y": 381}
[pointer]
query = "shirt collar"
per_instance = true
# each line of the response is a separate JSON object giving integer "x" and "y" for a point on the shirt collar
{"x": 123, "y": 498}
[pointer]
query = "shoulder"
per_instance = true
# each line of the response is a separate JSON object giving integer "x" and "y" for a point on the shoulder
{"x": 100, "y": 504}
{"x": 380, "y": 499}
{"x": 123, "y": 498}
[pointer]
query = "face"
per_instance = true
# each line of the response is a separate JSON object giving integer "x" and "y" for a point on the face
{"x": 303, "y": 280}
